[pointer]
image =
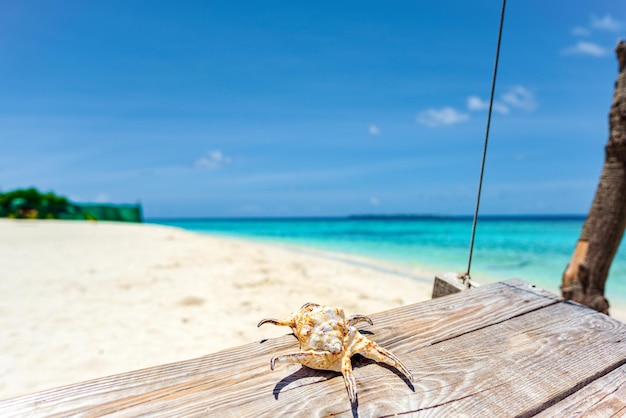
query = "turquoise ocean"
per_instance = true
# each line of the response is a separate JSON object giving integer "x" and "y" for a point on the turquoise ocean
{"x": 535, "y": 249}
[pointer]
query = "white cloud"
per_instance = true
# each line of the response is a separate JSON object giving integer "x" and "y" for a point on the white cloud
{"x": 586, "y": 48}
{"x": 516, "y": 97}
{"x": 374, "y": 201}
{"x": 580, "y": 31}
{"x": 606, "y": 23}
{"x": 521, "y": 98}
{"x": 373, "y": 130}
{"x": 102, "y": 198}
{"x": 439, "y": 117}
{"x": 476, "y": 103}
{"x": 213, "y": 160}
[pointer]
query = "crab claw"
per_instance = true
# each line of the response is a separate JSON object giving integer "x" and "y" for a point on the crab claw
{"x": 306, "y": 305}
{"x": 268, "y": 321}
{"x": 355, "y": 319}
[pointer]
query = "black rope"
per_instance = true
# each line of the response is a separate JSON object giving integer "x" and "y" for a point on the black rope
{"x": 482, "y": 166}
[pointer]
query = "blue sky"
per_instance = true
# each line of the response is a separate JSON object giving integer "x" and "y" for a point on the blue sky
{"x": 307, "y": 109}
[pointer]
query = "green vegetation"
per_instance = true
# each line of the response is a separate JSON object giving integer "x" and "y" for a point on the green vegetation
{"x": 33, "y": 204}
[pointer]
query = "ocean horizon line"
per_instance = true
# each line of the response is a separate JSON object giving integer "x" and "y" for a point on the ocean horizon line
{"x": 376, "y": 217}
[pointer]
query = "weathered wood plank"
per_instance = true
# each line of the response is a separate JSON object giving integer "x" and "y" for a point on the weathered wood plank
{"x": 514, "y": 368}
{"x": 450, "y": 283}
{"x": 238, "y": 382}
{"x": 445, "y": 285}
{"x": 604, "y": 397}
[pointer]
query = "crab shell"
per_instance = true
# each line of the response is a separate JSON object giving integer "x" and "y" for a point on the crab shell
{"x": 327, "y": 341}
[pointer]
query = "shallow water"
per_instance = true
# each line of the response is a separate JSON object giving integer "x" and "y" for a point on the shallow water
{"x": 534, "y": 249}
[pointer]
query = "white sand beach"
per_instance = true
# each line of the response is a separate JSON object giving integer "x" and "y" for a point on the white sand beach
{"x": 82, "y": 300}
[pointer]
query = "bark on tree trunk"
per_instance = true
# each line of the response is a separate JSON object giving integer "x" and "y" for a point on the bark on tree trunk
{"x": 586, "y": 274}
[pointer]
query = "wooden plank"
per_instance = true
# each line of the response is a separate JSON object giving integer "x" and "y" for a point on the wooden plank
{"x": 238, "y": 382}
{"x": 444, "y": 286}
{"x": 516, "y": 368}
{"x": 450, "y": 283}
{"x": 604, "y": 397}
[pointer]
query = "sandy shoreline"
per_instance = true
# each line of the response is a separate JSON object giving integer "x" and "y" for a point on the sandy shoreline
{"x": 83, "y": 300}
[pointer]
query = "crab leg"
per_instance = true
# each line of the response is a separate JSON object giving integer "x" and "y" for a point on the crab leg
{"x": 348, "y": 377}
{"x": 355, "y": 319}
{"x": 289, "y": 322}
{"x": 368, "y": 348}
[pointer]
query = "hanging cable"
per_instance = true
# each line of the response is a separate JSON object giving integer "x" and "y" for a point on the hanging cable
{"x": 482, "y": 165}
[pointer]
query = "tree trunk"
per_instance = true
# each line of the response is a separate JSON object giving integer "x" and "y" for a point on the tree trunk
{"x": 586, "y": 274}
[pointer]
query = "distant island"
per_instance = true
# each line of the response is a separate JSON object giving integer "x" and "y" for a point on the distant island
{"x": 401, "y": 217}
{"x": 33, "y": 204}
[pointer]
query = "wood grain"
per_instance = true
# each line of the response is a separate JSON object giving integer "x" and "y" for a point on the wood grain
{"x": 604, "y": 397}
{"x": 469, "y": 351}
{"x": 516, "y": 368}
